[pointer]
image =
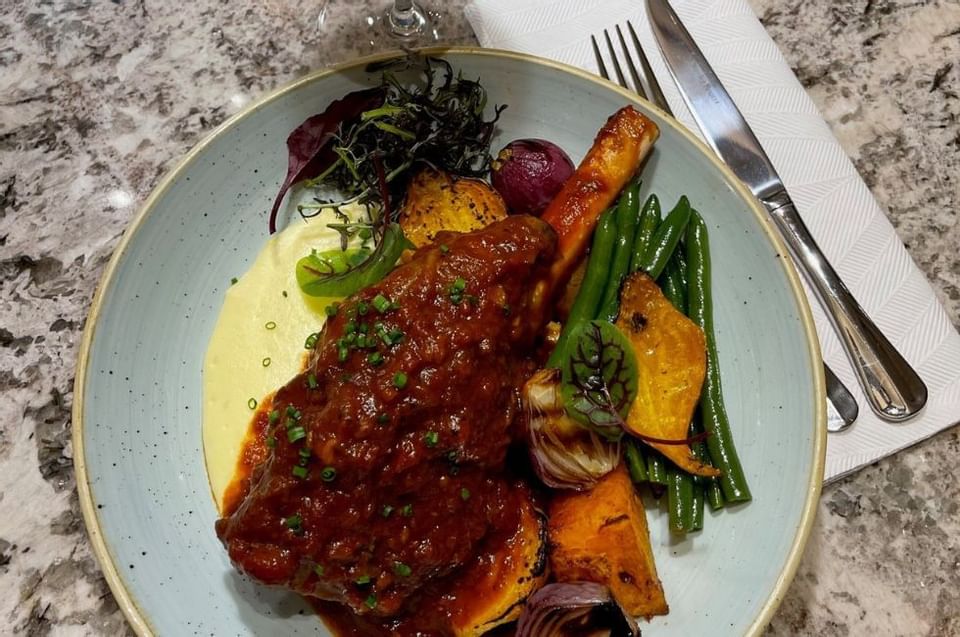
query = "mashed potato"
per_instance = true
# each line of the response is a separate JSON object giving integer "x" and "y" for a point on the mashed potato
{"x": 258, "y": 342}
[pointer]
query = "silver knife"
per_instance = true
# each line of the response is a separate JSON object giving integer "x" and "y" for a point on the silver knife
{"x": 893, "y": 389}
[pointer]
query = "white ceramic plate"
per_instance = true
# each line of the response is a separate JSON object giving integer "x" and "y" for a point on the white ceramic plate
{"x": 137, "y": 435}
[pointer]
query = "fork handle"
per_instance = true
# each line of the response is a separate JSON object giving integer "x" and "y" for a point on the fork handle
{"x": 893, "y": 389}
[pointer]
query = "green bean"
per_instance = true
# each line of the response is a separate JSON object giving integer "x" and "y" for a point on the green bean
{"x": 720, "y": 444}
{"x": 711, "y": 488}
{"x": 680, "y": 259}
{"x": 696, "y": 521}
{"x": 672, "y": 284}
{"x": 636, "y": 463}
{"x": 628, "y": 213}
{"x": 649, "y": 220}
{"x": 666, "y": 239}
{"x": 679, "y": 500}
{"x": 656, "y": 468}
{"x": 714, "y": 494}
{"x": 699, "y": 483}
{"x": 594, "y": 280}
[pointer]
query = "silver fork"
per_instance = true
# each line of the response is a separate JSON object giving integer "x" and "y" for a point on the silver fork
{"x": 842, "y": 407}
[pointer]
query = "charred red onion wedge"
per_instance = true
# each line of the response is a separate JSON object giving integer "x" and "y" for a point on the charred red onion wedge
{"x": 528, "y": 173}
{"x": 564, "y": 453}
{"x": 575, "y": 608}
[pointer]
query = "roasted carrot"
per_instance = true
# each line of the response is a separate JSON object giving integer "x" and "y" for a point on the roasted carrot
{"x": 616, "y": 154}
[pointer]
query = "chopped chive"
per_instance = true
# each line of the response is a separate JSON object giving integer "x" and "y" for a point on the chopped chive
{"x": 331, "y": 310}
{"x": 350, "y": 327}
{"x": 362, "y": 308}
{"x": 386, "y": 510}
{"x": 401, "y": 569}
{"x": 383, "y": 418}
{"x": 444, "y": 248}
{"x": 399, "y": 380}
{"x": 342, "y": 353}
{"x": 328, "y": 474}
{"x": 304, "y": 452}
{"x": 271, "y": 442}
{"x": 407, "y": 510}
{"x": 457, "y": 289}
{"x": 431, "y": 438}
{"x": 371, "y": 601}
{"x": 393, "y": 337}
{"x": 265, "y": 362}
{"x": 464, "y": 494}
{"x": 300, "y": 472}
{"x": 273, "y": 417}
{"x": 296, "y": 433}
{"x": 375, "y": 359}
{"x": 381, "y": 303}
{"x": 319, "y": 570}
{"x": 312, "y": 381}
{"x": 311, "y": 341}
{"x": 363, "y": 580}
{"x": 293, "y": 523}
{"x": 270, "y": 325}
{"x": 252, "y": 403}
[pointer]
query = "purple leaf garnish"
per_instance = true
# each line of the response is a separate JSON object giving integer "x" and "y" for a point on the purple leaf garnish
{"x": 309, "y": 150}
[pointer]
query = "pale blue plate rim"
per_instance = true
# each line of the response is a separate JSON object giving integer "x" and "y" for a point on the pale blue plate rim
{"x": 129, "y": 606}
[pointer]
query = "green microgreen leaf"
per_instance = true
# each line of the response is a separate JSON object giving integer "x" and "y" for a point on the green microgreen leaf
{"x": 599, "y": 377}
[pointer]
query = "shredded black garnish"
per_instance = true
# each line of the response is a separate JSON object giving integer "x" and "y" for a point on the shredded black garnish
{"x": 430, "y": 116}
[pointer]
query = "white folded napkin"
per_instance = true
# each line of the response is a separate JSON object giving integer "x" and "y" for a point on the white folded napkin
{"x": 835, "y": 203}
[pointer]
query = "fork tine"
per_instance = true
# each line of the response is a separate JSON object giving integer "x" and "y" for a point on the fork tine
{"x": 616, "y": 62}
{"x": 630, "y": 65}
{"x": 653, "y": 87}
{"x": 600, "y": 64}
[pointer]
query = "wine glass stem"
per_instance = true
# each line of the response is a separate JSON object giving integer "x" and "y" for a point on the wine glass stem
{"x": 405, "y": 18}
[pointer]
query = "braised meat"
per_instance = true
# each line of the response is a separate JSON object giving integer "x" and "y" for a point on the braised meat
{"x": 387, "y": 464}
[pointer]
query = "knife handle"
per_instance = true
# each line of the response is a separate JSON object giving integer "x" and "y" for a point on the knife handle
{"x": 893, "y": 389}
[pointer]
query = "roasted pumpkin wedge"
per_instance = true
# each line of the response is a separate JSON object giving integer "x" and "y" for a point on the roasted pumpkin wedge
{"x": 671, "y": 356}
{"x": 601, "y": 536}
{"x": 436, "y": 201}
{"x": 493, "y": 590}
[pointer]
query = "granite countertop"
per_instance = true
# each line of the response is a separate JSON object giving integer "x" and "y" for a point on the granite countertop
{"x": 98, "y": 99}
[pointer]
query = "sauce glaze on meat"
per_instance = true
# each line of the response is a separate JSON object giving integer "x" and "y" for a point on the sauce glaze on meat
{"x": 405, "y": 457}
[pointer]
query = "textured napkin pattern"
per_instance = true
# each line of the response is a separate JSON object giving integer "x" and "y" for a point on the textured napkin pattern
{"x": 836, "y": 204}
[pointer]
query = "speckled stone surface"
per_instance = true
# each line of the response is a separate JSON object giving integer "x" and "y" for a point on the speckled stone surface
{"x": 98, "y": 99}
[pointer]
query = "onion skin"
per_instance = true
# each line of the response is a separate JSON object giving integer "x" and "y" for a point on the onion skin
{"x": 564, "y": 453}
{"x": 528, "y": 173}
{"x": 575, "y": 608}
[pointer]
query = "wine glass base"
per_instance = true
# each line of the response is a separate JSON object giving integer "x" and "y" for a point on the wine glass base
{"x": 347, "y": 33}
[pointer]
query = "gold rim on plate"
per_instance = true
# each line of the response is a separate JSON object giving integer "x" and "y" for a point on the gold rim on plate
{"x": 125, "y": 600}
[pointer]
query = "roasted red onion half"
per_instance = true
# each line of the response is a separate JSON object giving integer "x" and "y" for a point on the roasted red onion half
{"x": 528, "y": 173}
{"x": 575, "y": 608}
{"x": 564, "y": 453}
